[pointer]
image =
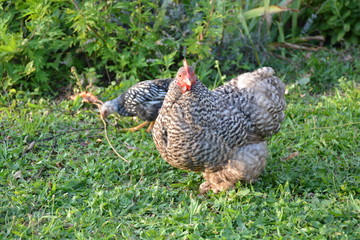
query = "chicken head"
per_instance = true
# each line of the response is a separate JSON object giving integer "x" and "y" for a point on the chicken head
{"x": 186, "y": 77}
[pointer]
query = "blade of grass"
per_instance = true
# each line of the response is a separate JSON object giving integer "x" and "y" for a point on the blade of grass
{"x": 260, "y": 11}
{"x": 294, "y": 18}
{"x": 281, "y": 36}
{"x": 244, "y": 24}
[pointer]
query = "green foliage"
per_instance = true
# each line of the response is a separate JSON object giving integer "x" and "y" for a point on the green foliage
{"x": 40, "y": 41}
{"x": 122, "y": 40}
{"x": 337, "y": 20}
{"x": 319, "y": 71}
{"x": 34, "y": 44}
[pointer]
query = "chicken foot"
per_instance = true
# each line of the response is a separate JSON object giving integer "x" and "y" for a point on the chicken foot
{"x": 216, "y": 183}
{"x": 245, "y": 165}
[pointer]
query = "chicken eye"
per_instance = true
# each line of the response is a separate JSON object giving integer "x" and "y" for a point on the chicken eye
{"x": 179, "y": 75}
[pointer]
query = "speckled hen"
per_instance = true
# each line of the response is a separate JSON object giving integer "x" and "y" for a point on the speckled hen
{"x": 221, "y": 133}
{"x": 143, "y": 100}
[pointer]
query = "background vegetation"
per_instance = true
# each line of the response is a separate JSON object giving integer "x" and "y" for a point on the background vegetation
{"x": 114, "y": 41}
{"x": 60, "y": 179}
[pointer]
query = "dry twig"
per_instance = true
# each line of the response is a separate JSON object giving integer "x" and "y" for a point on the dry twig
{"x": 90, "y": 98}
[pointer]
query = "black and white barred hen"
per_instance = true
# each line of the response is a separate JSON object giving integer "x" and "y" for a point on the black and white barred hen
{"x": 143, "y": 100}
{"x": 221, "y": 133}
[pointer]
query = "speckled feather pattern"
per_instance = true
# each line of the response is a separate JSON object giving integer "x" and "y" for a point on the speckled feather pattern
{"x": 221, "y": 132}
{"x": 143, "y": 100}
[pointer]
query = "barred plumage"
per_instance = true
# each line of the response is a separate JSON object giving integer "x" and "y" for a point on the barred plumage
{"x": 143, "y": 100}
{"x": 221, "y": 132}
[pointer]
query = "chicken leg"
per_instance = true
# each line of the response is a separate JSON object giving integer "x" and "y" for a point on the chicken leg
{"x": 245, "y": 165}
{"x": 137, "y": 128}
{"x": 149, "y": 129}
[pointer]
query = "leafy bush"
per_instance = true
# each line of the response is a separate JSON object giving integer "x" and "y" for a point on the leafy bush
{"x": 34, "y": 45}
{"x": 112, "y": 41}
{"x": 336, "y": 20}
{"x": 317, "y": 72}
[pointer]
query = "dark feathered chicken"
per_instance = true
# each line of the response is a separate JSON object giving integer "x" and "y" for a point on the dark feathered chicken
{"x": 143, "y": 100}
{"x": 221, "y": 132}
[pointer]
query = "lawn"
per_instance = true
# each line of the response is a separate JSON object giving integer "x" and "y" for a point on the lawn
{"x": 61, "y": 180}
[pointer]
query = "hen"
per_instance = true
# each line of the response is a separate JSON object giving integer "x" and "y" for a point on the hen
{"x": 221, "y": 133}
{"x": 143, "y": 100}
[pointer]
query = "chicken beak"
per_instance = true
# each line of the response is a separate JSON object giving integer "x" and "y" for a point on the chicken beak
{"x": 103, "y": 114}
{"x": 187, "y": 85}
{"x": 187, "y": 82}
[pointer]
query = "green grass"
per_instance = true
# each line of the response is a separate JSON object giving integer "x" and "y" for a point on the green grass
{"x": 59, "y": 178}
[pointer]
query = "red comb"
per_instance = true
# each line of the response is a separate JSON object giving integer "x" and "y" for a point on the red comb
{"x": 186, "y": 65}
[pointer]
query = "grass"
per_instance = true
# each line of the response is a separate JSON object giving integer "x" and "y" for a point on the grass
{"x": 60, "y": 179}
